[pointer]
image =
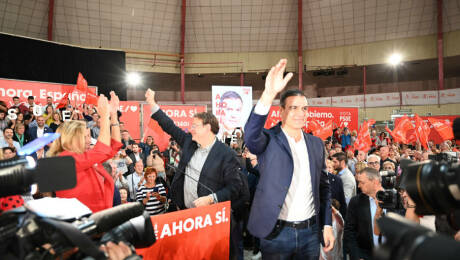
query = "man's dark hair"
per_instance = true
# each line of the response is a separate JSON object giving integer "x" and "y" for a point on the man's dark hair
{"x": 341, "y": 157}
{"x": 135, "y": 144}
{"x": 290, "y": 93}
{"x": 15, "y": 97}
{"x": 30, "y": 97}
{"x": 27, "y": 117}
{"x": 209, "y": 118}
{"x": 231, "y": 94}
{"x": 6, "y": 128}
{"x": 9, "y": 148}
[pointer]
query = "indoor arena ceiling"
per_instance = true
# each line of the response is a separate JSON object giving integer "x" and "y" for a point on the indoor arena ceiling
{"x": 225, "y": 25}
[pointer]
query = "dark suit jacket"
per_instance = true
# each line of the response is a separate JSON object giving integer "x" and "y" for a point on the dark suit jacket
{"x": 358, "y": 238}
{"x": 276, "y": 168}
{"x": 26, "y": 138}
{"x": 33, "y": 132}
{"x": 337, "y": 193}
{"x": 220, "y": 171}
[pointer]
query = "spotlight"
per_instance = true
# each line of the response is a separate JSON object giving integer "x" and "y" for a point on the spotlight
{"x": 133, "y": 79}
{"x": 395, "y": 59}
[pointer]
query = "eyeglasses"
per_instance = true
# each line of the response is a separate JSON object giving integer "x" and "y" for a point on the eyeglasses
{"x": 195, "y": 126}
{"x": 374, "y": 163}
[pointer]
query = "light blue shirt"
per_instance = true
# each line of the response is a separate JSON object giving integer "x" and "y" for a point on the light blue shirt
{"x": 373, "y": 208}
{"x": 3, "y": 143}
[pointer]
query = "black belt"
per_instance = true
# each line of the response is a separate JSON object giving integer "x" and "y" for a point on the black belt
{"x": 298, "y": 224}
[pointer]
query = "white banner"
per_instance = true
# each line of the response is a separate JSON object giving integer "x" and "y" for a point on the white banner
{"x": 348, "y": 101}
{"x": 449, "y": 96}
{"x": 320, "y": 102}
{"x": 382, "y": 100}
{"x": 420, "y": 98}
{"x": 232, "y": 106}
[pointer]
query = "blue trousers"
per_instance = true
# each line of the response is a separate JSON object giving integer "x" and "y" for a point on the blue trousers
{"x": 292, "y": 243}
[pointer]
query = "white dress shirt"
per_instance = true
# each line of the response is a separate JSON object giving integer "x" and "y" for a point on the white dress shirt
{"x": 298, "y": 204}
{"x": 40, "y": 131}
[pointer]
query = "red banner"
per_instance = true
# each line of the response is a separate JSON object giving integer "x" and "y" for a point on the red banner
{"x": 130, "y": 116}
{"x": 340, "y": 116}
{"x": 434, "y": 135}
{"x": 198, "y": 233}
{"x": 40, "y": 90}
{"x": 181, "y": 115}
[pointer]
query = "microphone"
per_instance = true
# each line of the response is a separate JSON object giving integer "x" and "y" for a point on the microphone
{"x": 185, "y": 174}
{"x": 110, "y": 218}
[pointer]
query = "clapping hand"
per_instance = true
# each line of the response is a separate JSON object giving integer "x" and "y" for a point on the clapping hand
{"x": 114, "y": 103}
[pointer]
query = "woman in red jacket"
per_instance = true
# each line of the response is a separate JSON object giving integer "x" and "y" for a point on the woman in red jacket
{"x": 95, "y": 186}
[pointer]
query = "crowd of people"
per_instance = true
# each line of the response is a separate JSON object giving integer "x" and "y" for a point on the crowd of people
{"x": 289, "y": 190}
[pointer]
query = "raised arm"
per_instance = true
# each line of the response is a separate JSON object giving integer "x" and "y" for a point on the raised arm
{"x": 163, "y": 120}
{"x": 274, "y": 84}
{"x": 104, "y": 112}
{"x": 115, "y": 125}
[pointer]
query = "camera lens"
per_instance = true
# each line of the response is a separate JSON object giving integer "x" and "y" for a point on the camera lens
{"x": 434, "y": 186}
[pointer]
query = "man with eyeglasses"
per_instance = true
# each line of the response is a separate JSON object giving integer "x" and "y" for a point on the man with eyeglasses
{"x": 208, "y": 170}
{"x": 373, "y": 161}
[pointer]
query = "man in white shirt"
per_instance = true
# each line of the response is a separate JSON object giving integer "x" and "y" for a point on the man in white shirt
{"x": 291, "y": 205}
{"x": 135, "y": 179}
{"x": 349, "y": 184}
{"x": 39, "y": 130}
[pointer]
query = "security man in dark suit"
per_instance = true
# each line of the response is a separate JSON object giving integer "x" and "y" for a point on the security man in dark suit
{"x": 362, "y": 214}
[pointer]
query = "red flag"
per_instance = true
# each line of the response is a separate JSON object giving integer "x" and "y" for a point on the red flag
{"x": 82, "y": 84}
{"x": 91, "y": 98}
{"x": 323, "y": 132}
{"x": 313, "y": 126}
{"x": 363, "y": 141}
{"x": 400, "y": 132}
{"x": 422, "y": 131}
{"x": 444, "y": 129}
{"x": 63, "y": 101}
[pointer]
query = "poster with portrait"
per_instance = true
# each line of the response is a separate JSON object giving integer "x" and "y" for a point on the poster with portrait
{"x": 232, "y": 106}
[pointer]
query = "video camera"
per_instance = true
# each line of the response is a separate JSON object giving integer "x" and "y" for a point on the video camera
{"x": 390, "y": 198}
{"x": 407, "y": 240}
{"x": 434, "y": 186}
{"x": 25, "y": 234}
{"x": 31, "y": 232}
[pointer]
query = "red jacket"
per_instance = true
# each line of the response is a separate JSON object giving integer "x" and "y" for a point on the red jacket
{"x": 94, "y": 185}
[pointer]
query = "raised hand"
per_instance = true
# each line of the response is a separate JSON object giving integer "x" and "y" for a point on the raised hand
{"x": 150, "y": 97}
{"x": 103, "y": 107}
{"x": 275, "y": 81}
{"x": 114, "y": 103}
